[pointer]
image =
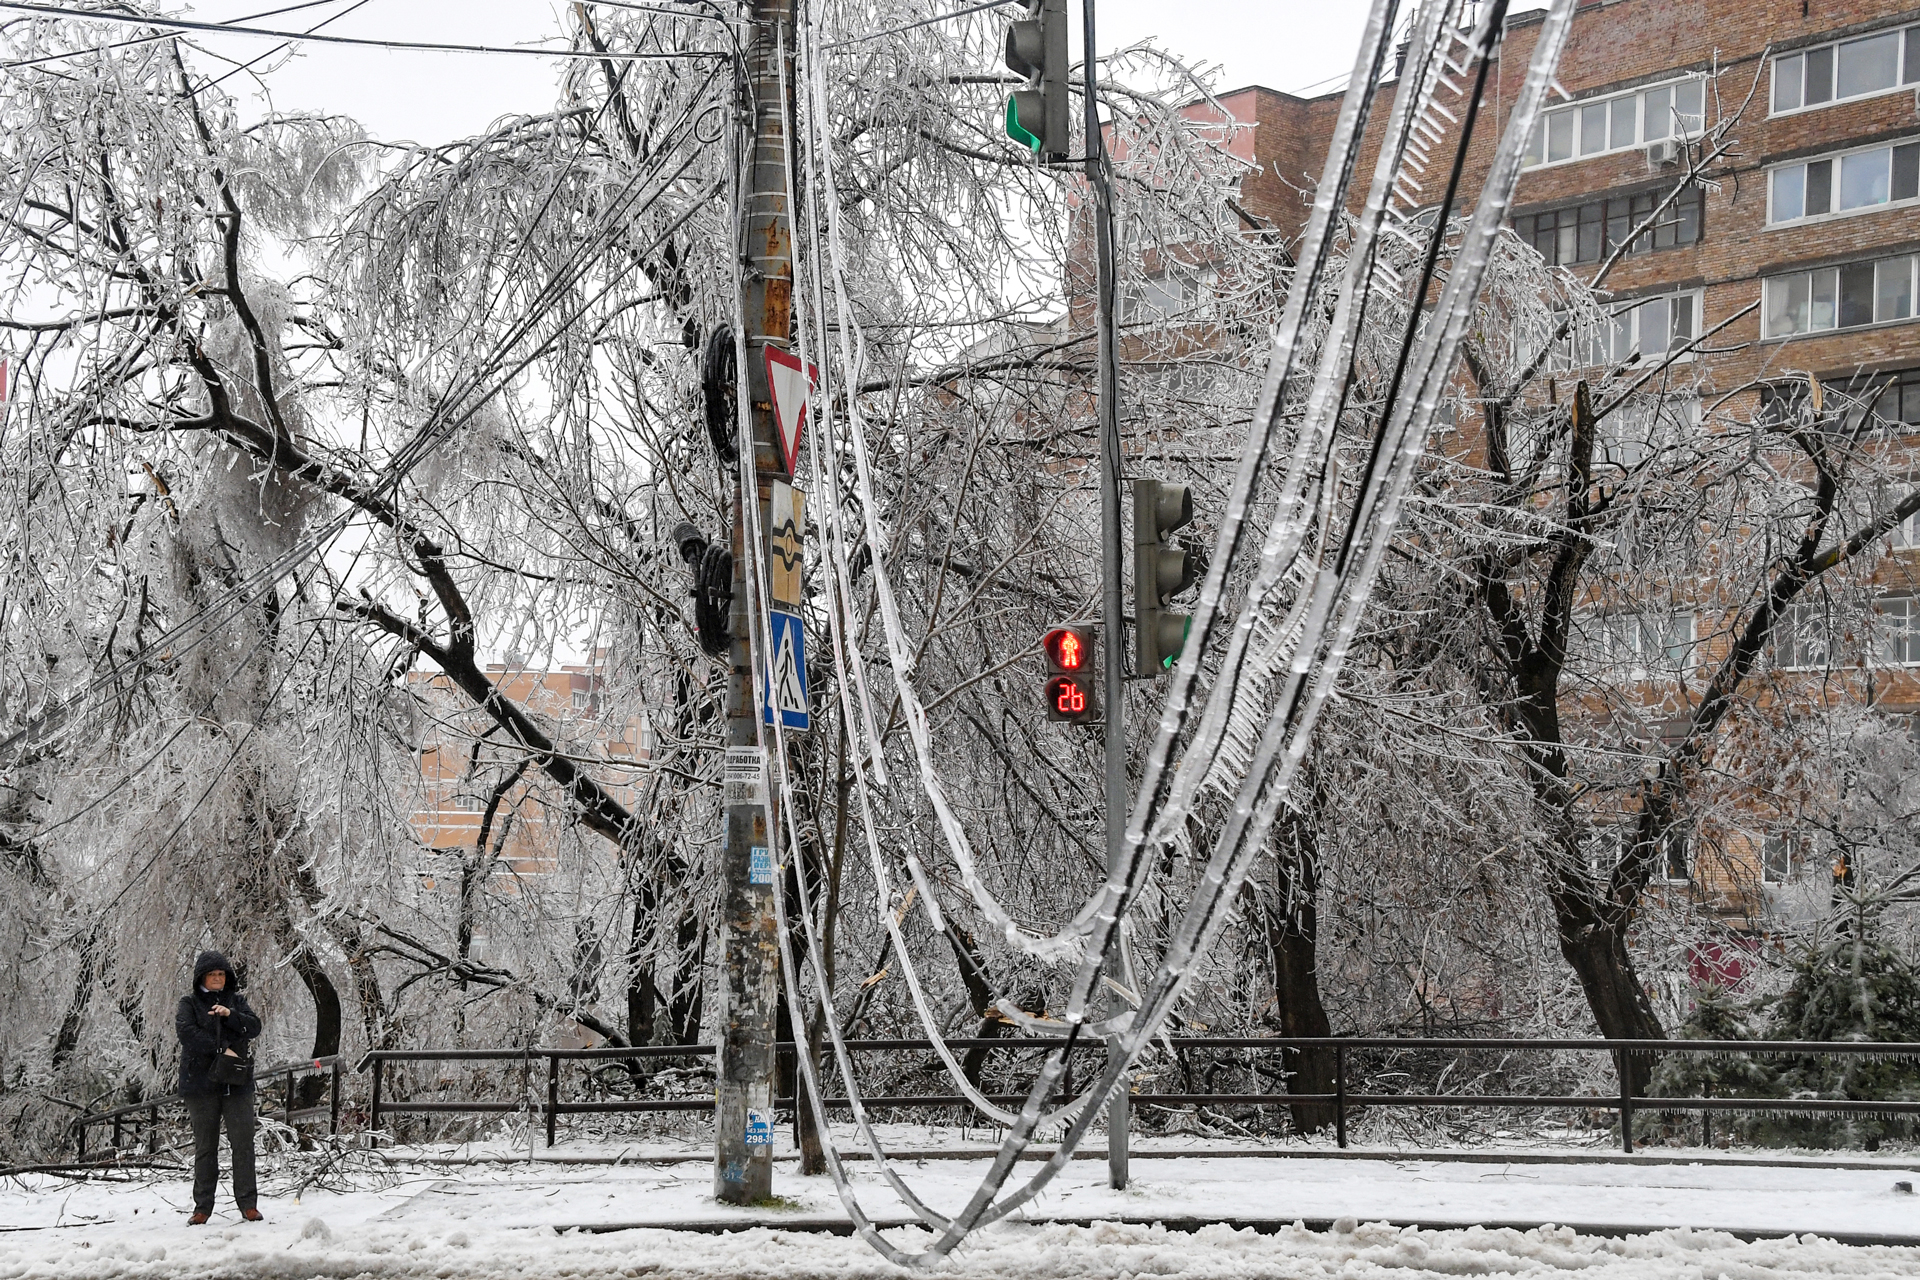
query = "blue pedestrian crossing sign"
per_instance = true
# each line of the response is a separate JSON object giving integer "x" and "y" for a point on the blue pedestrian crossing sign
{"x": 786, "y": 679}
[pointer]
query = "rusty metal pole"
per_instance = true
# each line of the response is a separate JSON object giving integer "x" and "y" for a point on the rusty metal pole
{"x": 743, "y": 1093}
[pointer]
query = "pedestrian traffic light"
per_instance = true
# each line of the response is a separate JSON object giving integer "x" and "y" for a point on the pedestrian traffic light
{"x": 1037, "y": 49}
{"x": 1160, "y": 571}
{"x": 1071, "y": 674}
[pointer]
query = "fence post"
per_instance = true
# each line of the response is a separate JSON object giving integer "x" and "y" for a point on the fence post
{"x": 1625, "y": 1073}
{"x": 333, "y": 1101}
{"x": 289, "y": 1095}
{"x": 373, "y": 1108}
{"x": 80, "y": 1138}
{"x": 116, "y": 1133}
{"x": 1340, "y": 1096}
{"x": 553, "y": 1093}
{"x": 153, "y": 1130}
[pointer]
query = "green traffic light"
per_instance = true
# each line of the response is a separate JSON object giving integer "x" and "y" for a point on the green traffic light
{"x": 1186, "y": 629}
{"x": 1015, "y": 130}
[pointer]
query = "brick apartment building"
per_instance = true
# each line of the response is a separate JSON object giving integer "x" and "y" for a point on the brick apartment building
{"x": 1814, "y": 215}
{"x": 459, "y": 778}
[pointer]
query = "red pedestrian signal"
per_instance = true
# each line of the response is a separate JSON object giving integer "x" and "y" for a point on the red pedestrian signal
{"x": 1066, "y": 649}
{"x": 1070, "y": 689}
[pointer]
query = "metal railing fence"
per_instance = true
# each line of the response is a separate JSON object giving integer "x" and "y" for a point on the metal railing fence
{"x": 145, "y": 1114}
{"x": 1341, "y": 1099}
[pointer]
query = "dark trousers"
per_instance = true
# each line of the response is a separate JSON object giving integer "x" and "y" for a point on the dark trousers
{"x": 208, "y": 1111}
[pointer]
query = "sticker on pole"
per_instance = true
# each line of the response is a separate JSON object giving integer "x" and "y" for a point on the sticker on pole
{"x": 745, "y": 776}
{"x": 786, "y": 685}
{"x": 789, "y": 382}
{"x": 759, "y": 1127}
{"x": 760, "y": 865}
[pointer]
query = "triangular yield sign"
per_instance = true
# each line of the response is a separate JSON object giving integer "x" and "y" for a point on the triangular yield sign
{"x": 789, "y": 380}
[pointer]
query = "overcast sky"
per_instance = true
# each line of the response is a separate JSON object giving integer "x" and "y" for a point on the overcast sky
{"x": 432, "y": 97}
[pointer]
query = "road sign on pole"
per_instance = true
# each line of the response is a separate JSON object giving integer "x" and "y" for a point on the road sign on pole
{"x": 789, "y": 382}
{"x": 786, "y": 534}
{"x": 787, "y": 673}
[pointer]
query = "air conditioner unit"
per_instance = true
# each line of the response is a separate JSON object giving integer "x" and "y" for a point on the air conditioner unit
{"x": 1665, "y": 151}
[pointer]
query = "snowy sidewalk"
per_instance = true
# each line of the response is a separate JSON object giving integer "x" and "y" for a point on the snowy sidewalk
{"x": 497, "y": 1221}
{"x": 1190, "y": 1190}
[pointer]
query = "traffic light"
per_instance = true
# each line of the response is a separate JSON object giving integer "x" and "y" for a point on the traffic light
{"x": 1072, "y": 675}
{"x": 1160, "y": 572}
{"x": 1037, "y": 49}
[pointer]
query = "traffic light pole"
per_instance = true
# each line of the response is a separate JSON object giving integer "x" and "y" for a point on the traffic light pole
{"x": 749, "y": 944}
{"x": 1112, "y": 565}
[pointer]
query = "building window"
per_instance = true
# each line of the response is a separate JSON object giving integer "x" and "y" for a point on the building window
{"x": 1779, "y": 858}
{"x": 1174, "y": 293}
{"x": 1646, "y": 327}
{"x": 1845, "y": 297}
{"x": 1845, "y": 183}
{"x": 1898, "y": 403}
{"x": 1589, "y": 232}
{"x": 1896, "y": 627}
{"x": 1803, "y": 637}
{"x": 1643, "y": 644}
{"x": 1676, "y": 863}
{"x": 1879, "y": 63}
{"x": 1599, "y": 125}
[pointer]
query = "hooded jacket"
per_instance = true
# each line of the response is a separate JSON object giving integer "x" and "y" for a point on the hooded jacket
{"x": 200, "y": 1031}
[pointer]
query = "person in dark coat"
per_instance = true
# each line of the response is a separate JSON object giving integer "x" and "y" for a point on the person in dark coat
{"x": 213, "y": 1019}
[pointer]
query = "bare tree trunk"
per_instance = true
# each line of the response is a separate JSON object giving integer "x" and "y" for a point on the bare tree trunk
{"x": 973, "y": 972}
{"x": 326, "y": 1002}
{"x": 813, "y": 1157}
{"x": 643, "y": 997}
{"x": 686, "y": 1004}
{"x": 84, "y": 978}
{"x": 1292, "y": 921}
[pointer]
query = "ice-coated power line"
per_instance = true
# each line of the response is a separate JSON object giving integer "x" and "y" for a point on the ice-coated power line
{"x": 1338, "y": 579}
{"x": 912, "y": 26}
{"x": 426, "y": 46}
{"x": 128, "y": 44}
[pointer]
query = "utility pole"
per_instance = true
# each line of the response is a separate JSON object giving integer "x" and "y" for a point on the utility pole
{"x": 1100, "y": 179}
{"x": 749, "y": 944}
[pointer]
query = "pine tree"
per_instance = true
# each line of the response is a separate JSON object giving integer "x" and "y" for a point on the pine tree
{"x": 1849, "y": 985}
{"x": 1716, "y": 1015}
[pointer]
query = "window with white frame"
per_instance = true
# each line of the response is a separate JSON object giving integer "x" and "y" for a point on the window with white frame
{"x": 1630, "y": 434}
{"x": 1175, "y": 292}
{"x": 1649, "y": 327}
{"x": 1896, "y": 626}
{"x": 1617, "y": 122}
{"x": 1843, "y": 297}
{"x": 1857, "y": 68}
{"x": 1676, "y": 856}
{"x": 1850, "y": 182}
{"x": 1906, "y": 535}
{"x": 1644, "y": 643}
{"x": 1803, "y": 637}
{"x": 1780, "y": 858}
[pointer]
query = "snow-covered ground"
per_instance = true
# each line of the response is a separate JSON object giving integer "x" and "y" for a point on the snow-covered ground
{"x": 489, "y": 1220}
